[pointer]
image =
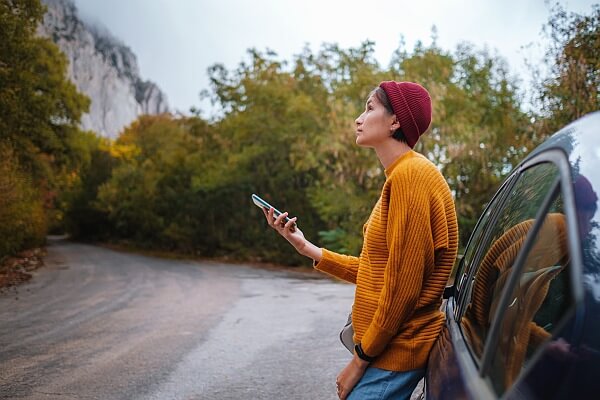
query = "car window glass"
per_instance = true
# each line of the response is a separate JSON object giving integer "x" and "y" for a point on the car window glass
{"x": 464, "y": 287}
{"x": 498, "y": 250}
{"x": 539, "y": 300}
{"x": 475, "y": 242}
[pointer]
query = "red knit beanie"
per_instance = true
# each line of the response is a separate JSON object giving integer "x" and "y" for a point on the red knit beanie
{"x": 412, "y": 105}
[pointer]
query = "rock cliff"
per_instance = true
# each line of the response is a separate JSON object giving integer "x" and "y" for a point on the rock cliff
{"x": 103, "y": 68}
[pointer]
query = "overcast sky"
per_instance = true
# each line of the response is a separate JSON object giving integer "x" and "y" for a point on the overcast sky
{"x": 177, "y": 40}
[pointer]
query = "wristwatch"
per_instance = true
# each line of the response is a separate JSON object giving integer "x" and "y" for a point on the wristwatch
{"x": 361, "y": 354}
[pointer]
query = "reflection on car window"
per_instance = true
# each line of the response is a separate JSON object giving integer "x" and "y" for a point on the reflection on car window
{"x": 471, "y": 252}
{"x": 537, "y": 303}
{"x": 467, "y": 261}
{"x": 500, "y": 250}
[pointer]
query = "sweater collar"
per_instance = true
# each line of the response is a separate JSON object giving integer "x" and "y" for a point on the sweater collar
{"x": 393, "y": 165}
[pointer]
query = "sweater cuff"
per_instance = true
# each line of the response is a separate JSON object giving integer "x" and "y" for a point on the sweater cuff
{"x": 375, "y": 340}
{"x": 334, "y": 264}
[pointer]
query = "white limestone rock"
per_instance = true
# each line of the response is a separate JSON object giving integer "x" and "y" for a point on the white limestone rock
{"x": 102, "y": 68}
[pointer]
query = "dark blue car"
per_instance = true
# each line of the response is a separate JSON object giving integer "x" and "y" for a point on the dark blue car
{"x": 523, "y": 316}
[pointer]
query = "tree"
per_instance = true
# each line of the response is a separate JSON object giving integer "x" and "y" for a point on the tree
{"x": 478, "y": 131}
{"x": 39, "y": 107}
{"x": 349, "y": 177}
{"x": 81, "y": 216}
{"x": 572, "y": 88}
{"x": 39, "y": 115}
{"x": 22, "y": 219}
{"x": 271, "y": 118}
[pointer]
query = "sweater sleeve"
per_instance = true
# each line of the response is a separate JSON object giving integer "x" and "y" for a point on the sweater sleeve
{"x": 409, "y": 239}
{"x": 339, "y": 265}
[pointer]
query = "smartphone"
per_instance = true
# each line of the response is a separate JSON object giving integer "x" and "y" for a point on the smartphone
{"x": 263, "y": 204}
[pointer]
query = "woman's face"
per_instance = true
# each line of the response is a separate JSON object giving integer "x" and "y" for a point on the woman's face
{"x": 375, "y": 125}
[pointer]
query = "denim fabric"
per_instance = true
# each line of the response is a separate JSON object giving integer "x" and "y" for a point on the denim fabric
{"x": 379, "y": 384}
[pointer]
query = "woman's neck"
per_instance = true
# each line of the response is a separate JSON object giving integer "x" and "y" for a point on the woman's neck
{"x": 391, "y": 151}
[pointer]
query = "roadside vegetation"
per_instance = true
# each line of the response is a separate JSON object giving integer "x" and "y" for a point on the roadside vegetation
{"x": 285, "y": 131}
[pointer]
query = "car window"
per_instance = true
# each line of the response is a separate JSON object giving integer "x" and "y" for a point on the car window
{"x": 498, "y": 247}
{"x": 467, "y": 264}
{"x": 538, "y": 301}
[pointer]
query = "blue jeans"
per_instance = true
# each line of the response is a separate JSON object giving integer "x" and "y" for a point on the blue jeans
{"x": 379, "y": 384}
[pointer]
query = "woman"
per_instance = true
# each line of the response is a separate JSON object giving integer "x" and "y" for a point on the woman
{"x": 409, "y": 247}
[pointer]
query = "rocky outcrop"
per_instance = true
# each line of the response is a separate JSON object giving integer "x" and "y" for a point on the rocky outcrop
{"x": 102, "y": 68}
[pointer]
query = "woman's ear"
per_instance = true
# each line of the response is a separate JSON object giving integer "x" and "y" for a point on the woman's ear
{"x": 395, "y": 125}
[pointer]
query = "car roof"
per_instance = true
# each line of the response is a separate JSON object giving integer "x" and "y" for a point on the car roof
{"x": 580, "y": 140}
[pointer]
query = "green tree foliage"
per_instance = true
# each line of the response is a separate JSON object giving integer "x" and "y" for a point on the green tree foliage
{"x": 478, "y": 131}
{"x": 79, "y": 213}
{"x": 186, "y": 185}
{"x": 287, "y": 133}
{"x": 39, "y": 107}
{"x": 22, "y": 219}
{"x": 270, "y": 122}
{"x": 572, "y": 88}
{"x": 150, "y": 151}
{"x": 39, "y": 114}
{"x": 350, "y": 177}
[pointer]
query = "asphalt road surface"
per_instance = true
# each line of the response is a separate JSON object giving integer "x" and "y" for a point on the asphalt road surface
{"x": 101, "y": 324}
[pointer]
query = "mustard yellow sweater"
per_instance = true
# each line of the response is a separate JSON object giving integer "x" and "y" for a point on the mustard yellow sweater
{"x": 409, "y": 247}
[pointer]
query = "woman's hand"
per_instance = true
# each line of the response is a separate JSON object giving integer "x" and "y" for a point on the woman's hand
{"x": 289, "y": 230}
{"x": 350, "y": 376}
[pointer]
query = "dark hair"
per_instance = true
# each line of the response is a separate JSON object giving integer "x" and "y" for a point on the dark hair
{"x": 383, "y": 99}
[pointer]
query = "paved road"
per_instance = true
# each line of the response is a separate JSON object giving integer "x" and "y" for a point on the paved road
{"x": 101, "y": 324}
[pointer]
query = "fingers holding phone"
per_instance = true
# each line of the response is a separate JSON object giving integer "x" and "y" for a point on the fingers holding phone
{"x": 287, "y": 228}
{"x": 272, "y": 213}
{"x": 280, "y": 222}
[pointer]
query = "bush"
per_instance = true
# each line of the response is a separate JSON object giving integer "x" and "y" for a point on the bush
{"x": 22, "y": 217}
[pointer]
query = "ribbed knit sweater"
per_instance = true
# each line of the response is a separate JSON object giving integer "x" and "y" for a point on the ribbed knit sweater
{"x": 409, "y": 247}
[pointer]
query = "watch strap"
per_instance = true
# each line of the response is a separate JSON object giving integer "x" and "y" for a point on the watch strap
{"x": 361, "y": 354}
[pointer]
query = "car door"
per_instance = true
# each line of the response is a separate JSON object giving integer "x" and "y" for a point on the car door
{"x": 516, "y": 286}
